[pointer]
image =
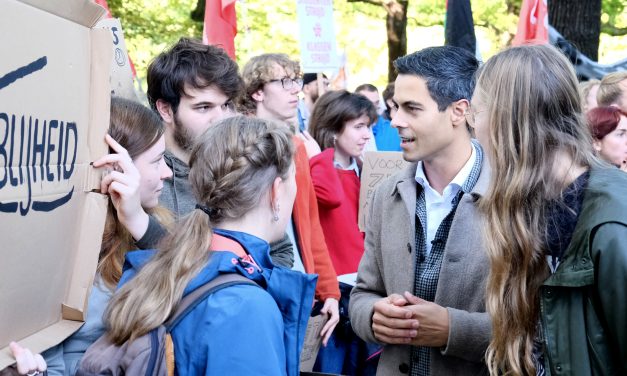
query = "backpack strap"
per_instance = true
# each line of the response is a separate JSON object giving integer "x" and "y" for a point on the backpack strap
{"x": 191, "y": 300}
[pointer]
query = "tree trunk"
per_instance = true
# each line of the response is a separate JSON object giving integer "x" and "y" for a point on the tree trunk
{"x": 396, "y": 25}
{"x": 579, "y": 21}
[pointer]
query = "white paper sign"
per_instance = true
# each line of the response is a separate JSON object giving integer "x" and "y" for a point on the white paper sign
{"x": 317, "y": 35}
{"x": 121, "y": 73}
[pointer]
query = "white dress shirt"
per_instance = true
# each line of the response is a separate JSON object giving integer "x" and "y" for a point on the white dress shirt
{"x": 438, "y": 206}
{"x": 353, "y": 166}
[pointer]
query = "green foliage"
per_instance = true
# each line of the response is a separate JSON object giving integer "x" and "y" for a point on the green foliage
{"x": 266, "y": 27}
{"x": 152, "y": 25}
{"x": 426, "y": 13}
{"x": 271, "y": 26}
{"x": 614, "y": 17}
{"x": 495, "y": 24}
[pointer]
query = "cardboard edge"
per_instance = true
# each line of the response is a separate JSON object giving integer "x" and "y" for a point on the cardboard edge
{"x": 361, "y": 215}
{"x": 86, "y": 260}
{"x": 95, "y": 204}
{"x": 69, "y": 313}
{"x": 42, "y": 340}
{"x": 100, "y": 92}
{"x": 82, "y": 12}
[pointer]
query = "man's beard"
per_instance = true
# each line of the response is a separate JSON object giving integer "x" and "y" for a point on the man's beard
{"x": 182, "y": 136}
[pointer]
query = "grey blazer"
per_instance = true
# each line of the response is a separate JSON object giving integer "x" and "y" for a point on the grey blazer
{"x": 387, "y": 267}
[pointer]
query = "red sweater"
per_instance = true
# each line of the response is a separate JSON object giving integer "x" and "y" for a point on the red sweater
{"x": 313, "y": 249}
{"x": 338, "y": 203}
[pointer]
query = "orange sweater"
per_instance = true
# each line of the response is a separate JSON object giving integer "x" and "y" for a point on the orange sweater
{"x": 313, "y": 248}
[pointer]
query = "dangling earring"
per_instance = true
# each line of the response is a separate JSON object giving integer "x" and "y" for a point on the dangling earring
{"x": 334, "y": 140}
{"x": 275, "y": 217}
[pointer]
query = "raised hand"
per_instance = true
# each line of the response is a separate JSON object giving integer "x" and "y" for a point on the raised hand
{"x": 122, "y": 183}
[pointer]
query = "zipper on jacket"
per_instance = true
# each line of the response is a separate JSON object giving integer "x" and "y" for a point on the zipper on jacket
{"x": 300, "y": 311}
{"x": 545, "y": 340}
{"x": 154, "y": 346}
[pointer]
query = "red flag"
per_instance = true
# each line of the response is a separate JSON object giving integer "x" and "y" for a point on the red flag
{"x": 220, "y": 25}
{"x": 533, "y": 24}
{"x": 103, "y": 3}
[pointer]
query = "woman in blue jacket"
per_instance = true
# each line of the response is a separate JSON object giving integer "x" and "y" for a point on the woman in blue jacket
{"x": 242, "y": 175}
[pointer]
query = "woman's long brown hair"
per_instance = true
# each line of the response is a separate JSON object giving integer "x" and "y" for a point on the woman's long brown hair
{"x": 534, "y": 116}
{"x": 136, "y": 128}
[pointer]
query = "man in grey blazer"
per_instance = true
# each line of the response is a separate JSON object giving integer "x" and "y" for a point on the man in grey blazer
{"x": 421, "y": 283}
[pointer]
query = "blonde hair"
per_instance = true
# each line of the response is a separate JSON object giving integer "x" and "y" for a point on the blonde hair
{"x": 609, "y": 90}
{"x": 584, "y": 90}
{"x": 534, "y": 115}
{"x": 232, "y": 167}
{"x": 258, "y": 71}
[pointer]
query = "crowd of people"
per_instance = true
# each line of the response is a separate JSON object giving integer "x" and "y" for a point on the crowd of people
{"x": 500, "y": 249}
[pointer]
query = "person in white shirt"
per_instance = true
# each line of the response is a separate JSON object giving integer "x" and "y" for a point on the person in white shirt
{"x": 421, "y": 282}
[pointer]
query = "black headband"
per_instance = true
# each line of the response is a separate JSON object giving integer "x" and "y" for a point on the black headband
{"x": 209, "y": 211}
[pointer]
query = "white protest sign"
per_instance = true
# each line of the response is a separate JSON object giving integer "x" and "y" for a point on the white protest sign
{"x": 121, "y": 73}
{"x": 317, "y": 35}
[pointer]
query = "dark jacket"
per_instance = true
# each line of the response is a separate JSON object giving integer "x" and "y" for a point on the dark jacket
{"x": 584, "y": 303}
{"x": 176, "y": 194}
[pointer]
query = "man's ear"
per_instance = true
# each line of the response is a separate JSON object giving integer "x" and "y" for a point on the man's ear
{"x": 165, "y": 111}
{"x": 458, "y": 111}
{"x": 258, "y": 95}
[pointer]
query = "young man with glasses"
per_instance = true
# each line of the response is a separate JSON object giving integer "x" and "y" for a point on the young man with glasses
{"x": 421, "y": 282}
{"x": 271, "y": 86}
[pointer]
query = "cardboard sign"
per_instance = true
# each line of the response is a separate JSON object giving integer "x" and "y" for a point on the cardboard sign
{"x": 317, "y": 35}
{"x": 54, "y": 112}
{"x": 378, "y": 166}
{"x": 121, "y": 73}
{"x": 312, "y": 342}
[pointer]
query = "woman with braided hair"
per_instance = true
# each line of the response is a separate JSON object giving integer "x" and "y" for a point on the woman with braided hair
{"x": 242, "y": 175}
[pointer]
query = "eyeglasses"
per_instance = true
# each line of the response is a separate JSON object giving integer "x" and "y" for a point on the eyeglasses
{"x": 288, "y": 82}
{"x": 471, "y": 116}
